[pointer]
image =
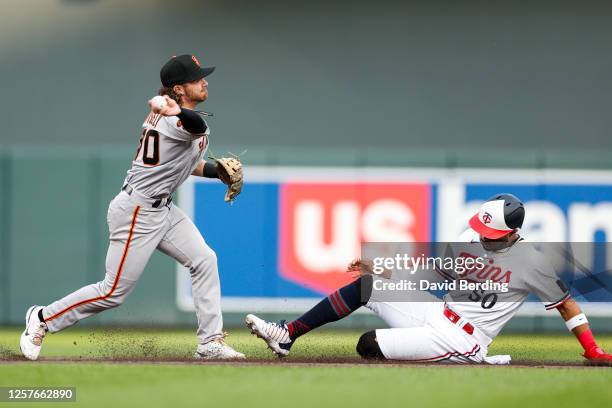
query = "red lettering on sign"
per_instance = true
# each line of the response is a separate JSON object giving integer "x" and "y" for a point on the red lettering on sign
{"x": 322, "y": 226}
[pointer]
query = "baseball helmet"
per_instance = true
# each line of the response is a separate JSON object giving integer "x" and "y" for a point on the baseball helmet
{"x": 498, "y": 216}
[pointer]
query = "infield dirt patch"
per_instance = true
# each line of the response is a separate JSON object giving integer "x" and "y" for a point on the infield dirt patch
{"x": 287, "y": 362}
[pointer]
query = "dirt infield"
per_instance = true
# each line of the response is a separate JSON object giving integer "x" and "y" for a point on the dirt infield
{"x": 330, "y": 349}
{"x": 288, "y": 362}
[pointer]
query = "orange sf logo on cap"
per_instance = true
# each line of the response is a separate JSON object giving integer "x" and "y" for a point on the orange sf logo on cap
{"x": 195, "y": 60}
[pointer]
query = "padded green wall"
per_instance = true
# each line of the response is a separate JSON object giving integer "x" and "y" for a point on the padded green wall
{"x": 54, "y": 233}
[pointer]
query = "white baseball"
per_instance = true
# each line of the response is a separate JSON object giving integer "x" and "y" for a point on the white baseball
{"x": 158, "y": 102}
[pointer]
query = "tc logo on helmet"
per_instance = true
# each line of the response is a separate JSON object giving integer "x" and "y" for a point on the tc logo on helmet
{"x": 486, "y": 218}
{"x": 195, "y": 60}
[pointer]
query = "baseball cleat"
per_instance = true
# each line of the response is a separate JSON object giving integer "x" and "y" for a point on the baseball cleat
{"x": 596, "y": 356}
{"x": 276, "y": 335}
{"x": 33, "y": 335}
{"x": 217, "y": 350}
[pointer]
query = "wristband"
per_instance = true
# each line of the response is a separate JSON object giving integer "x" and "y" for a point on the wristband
{"x": 210, "y": 171}
{"x": 576, "y": 321}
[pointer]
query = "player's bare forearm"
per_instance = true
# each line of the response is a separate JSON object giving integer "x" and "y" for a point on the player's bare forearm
{"x": 577, "y": 323}
{"x": 570, "y": 309}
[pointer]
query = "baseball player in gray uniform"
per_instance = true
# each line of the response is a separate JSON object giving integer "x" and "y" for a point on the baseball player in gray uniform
{"x": 460, "y": 328}
{"x": 142, "y": 218}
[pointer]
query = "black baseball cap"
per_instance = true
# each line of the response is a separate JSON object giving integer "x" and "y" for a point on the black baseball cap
{"x": 182, "y": 69}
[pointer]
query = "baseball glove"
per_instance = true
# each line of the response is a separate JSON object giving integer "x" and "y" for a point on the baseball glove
{"x": 230, "y": 173}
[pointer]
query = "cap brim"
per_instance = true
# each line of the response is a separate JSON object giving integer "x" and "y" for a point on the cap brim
{"x": 203, "y": 72}
{"x": 206, "y": 71}
{"x": 487, "y": 232}
{"x": 199, "y": 74}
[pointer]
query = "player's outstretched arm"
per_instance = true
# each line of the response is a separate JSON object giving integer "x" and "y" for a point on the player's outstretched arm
{"x": 226, "y": 169}
{"x": 191, "y": 121}
{"x": 361, "y": 267}
{"x": 578, "y": 324}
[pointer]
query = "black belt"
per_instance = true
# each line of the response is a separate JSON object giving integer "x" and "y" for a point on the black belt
{"x": 158, "y": 202}
{"x": 129, "y": 190}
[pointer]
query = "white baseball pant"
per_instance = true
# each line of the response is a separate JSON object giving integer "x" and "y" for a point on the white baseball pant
{"x": 421, "y": 333}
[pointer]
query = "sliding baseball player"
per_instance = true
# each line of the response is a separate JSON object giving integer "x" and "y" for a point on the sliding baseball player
{"x": 461, "y": 328}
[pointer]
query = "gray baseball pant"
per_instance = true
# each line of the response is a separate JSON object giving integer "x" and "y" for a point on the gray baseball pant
{"x": 136, "y": 230}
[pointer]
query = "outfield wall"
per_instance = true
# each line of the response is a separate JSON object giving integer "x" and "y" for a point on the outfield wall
{"x": 298, "y": 228}
{"x": 54, "y": 235}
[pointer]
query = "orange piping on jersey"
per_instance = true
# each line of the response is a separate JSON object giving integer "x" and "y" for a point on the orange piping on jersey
{"x": 109, "y": 294}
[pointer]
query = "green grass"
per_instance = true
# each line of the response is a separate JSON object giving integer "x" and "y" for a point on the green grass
{"x": 106, "y": 384}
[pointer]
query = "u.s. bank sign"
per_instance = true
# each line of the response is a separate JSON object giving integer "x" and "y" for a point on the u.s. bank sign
{"x": 289, "y": 236}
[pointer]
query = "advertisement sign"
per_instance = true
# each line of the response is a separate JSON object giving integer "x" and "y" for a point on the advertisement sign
{"x": 288, "y": 237}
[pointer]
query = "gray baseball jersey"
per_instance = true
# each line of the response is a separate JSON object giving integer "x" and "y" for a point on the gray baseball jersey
{"x": 166, "y": 156}
{"x": 142, "y": 219}
{"x": 521, "y": 266}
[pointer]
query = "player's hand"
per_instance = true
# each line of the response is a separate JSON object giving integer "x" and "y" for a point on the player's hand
{"x": 171, "y": 108}
{"x": 597, "y": 355}
{"x": 360, "y": 267}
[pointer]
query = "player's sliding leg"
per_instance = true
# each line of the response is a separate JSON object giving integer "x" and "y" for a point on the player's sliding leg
{"x": 368, "y": 347}
{"x": 128, "y": 253}
{"x": 429, "y": 343}
{"x": 184, "y": 243}
{"x": 341, "y": 303}
{"x": 420, "y": 332}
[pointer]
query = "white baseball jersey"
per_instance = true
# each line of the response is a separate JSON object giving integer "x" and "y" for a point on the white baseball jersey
{"x": 167, "y": 155}
{"x": 521, "y": 266}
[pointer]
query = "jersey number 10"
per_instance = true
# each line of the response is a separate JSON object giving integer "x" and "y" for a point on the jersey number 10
{"x": 149, "y": 144}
